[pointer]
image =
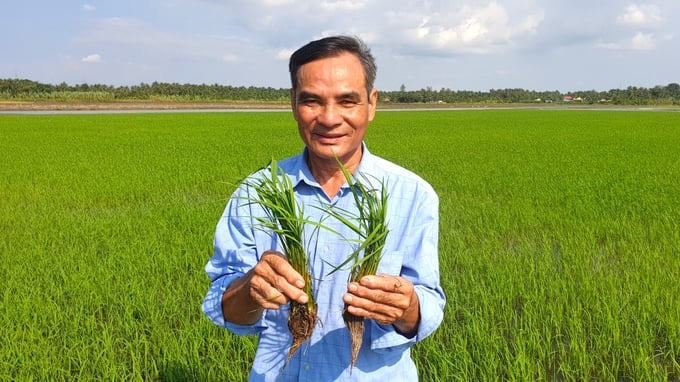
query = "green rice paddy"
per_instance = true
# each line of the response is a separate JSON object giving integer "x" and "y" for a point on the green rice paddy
{"x": 559, "y": 241}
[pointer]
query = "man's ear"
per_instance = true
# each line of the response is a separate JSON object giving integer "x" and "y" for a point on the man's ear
{"x": 293, "y": 103}
{"x": 372, "y": 103}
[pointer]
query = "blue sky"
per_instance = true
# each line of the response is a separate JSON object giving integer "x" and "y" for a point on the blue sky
{"x": 455, "y": 44}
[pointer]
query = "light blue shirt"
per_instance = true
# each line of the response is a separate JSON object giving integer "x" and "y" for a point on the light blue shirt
{"x": 410, "y": 251}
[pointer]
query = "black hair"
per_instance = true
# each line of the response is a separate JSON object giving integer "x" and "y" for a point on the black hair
{"x": 330, "y": 47}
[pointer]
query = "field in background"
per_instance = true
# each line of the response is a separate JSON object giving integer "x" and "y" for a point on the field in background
{"x": 559, "y": 241}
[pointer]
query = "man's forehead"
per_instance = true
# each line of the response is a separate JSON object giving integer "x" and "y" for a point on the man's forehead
{"x": 328, "y": 70}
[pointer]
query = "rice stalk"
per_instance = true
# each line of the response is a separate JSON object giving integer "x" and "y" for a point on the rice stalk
{"x": 370, "y": 224}
{"x": 285, "y": 217}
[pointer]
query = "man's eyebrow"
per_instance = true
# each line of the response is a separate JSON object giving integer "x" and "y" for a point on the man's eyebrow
{"x": 352, "y": 95}
{"x": 305, "y": 94}
{"x": 309, "y": 95}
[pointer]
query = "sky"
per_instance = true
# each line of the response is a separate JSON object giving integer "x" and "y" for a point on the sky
{"x": 454, "y": 44}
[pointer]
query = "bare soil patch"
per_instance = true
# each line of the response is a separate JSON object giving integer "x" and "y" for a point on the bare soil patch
{"x": 134, "y": 105}
{"x": 36, "y": 106}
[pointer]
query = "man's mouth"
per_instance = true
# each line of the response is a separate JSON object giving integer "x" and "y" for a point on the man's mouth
{"x": 329, "y": 138}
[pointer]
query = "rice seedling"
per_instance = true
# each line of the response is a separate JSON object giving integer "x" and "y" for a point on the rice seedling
{"x": 285, "y": 217}
{"x": 370, "y": 223}
{"x": 558, "y": 241}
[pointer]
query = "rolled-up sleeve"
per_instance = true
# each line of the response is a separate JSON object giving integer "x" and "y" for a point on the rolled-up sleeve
{"x": 420, "y": 264}
{"x": 234, "y": 254}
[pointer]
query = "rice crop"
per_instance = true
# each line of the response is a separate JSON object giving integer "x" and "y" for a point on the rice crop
{"x": 558, "y": 241}
{"x": 369, "y": 223}
{"x": 285, "y": 217}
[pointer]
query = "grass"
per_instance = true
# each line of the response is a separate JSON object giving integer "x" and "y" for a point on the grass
{"x": 558, "y": 246}
{"x": 558, "y": 243}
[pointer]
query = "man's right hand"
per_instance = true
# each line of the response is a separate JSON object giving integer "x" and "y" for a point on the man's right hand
{"x": 270, "y": 284}
{"x": 274, "y": 282}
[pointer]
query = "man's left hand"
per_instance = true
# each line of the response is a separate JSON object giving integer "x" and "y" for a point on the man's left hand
{"x": 387, "y": 299}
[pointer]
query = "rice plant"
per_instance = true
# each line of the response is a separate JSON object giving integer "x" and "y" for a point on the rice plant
{"x": 285, "y": 217}
{"x": 558, "y": 241}
{"x": 369, "y": 222}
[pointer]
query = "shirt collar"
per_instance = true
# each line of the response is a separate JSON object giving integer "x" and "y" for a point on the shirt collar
{"x": 302, "y": 174}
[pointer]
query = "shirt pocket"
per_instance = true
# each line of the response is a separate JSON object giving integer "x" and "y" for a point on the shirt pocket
{"x": 391, "y": 263}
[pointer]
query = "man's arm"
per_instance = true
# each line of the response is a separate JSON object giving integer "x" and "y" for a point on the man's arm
{"x": 410, "y": 298}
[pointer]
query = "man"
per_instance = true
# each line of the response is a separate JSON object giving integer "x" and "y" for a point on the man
{"x": 333, "y": 100}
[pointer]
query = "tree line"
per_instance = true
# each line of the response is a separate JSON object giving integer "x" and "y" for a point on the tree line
{"x": 28, "y": 90}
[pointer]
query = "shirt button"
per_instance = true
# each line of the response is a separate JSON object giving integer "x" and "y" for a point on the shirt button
{"x": 308, "y": 367}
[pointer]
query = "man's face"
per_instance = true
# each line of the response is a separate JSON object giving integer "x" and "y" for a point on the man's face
{"x": 332, "y": 108}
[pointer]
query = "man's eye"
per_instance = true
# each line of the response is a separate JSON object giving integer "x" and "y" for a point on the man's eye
{"x": 348, "y": 102}
{"x": 309, "y": 101}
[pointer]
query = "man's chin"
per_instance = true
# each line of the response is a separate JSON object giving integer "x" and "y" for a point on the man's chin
{"x": 328, "y": 151}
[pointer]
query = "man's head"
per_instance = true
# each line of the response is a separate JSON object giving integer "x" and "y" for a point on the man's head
{"x": 334, "y": 46}
{"x": 333, "y": 99}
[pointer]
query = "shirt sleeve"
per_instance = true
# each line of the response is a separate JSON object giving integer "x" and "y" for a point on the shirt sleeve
{"x": 420, "y": 264}
{"x": 235, "y": 253}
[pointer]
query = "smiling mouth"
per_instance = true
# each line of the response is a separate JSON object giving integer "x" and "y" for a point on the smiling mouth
{"x": 326, "y": 138}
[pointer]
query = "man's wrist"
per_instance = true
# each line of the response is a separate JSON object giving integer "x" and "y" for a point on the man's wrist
{"x": 408, "y": 325}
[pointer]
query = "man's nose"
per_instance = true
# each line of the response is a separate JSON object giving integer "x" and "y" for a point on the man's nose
{"x": 330, "y": 115}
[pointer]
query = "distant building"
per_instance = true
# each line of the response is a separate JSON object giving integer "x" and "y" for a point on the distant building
{"x": 569, "y": 98}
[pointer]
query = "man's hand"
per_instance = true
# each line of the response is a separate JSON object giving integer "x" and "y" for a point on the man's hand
{"x": 270, "y": 284}
{"x": 274, "y": 282}
{"x": 386, "y": 299}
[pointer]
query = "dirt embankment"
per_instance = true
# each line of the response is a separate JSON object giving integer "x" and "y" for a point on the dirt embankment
{"x": 132, "y": 105}
{"x": 28, "y": 106}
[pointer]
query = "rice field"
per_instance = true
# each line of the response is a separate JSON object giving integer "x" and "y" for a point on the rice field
{"x": 559, "y": 243}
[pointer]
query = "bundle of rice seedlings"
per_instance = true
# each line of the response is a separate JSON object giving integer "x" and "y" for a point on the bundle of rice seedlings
{"x": 285, "y": 217}
{"x": 370, "y": 224}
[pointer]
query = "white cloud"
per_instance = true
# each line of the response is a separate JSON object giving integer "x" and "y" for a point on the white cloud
{"x": 89, "y": 8}
{"x": 643, "y": 41}
{"x": 416, "y": 42}
{"x": 284, "y": 54}
{"x": 470, "y": 28}
{"x": 277, "y": 3}
{"x": 531, "y": 23}
{"x": 342, "y": 5}
{"x": 416, "y": 28}
{"x": 230, "y": 58}
{"x": 641, "y": 15}
{"x": 92, "y": 59}
{"x": 640, "y": 41}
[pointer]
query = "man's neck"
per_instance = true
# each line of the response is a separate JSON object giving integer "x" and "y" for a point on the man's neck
{"x": 329, "y": 175}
